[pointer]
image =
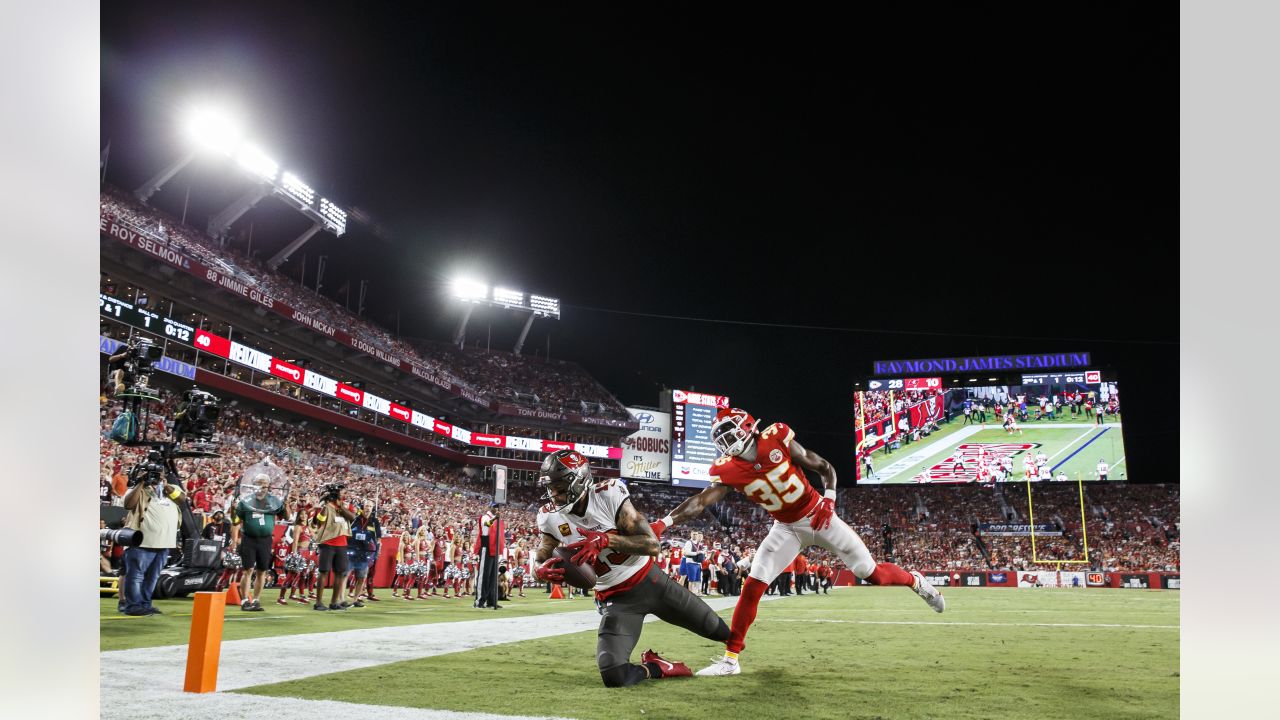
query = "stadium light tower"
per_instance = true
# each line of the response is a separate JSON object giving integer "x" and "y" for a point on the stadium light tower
{"x": 216, "y": 132}
{"x": 209, "y": 130}
{"x": 474, "y": 293}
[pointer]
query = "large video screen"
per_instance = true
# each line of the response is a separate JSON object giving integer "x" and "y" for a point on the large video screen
{"x": 692, "y": 451}
{"x": 1051, "y": 427}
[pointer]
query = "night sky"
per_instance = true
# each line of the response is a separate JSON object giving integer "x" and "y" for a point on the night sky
{"x": 963, "y": 181}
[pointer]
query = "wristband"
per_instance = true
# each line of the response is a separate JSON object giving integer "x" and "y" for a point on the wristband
{"x": 668, "y": 521}
{"x": 175, "y": 494}
{"x": 829, "y": 494}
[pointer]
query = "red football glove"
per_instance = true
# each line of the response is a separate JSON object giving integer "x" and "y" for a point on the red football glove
{"x": 588, "y": 549}
{"x": 820, "y": 518}
{"x": 548, "y": 571}
{"x": 658, "y": 527}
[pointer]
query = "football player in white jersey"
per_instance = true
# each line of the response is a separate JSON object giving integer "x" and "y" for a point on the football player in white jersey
{"x": 598, "y": 520}
{"x": 1103, "y": 469}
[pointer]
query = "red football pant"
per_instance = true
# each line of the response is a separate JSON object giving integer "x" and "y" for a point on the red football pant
{"x": 890, "y": 574}
{"x": 744, "y": 613}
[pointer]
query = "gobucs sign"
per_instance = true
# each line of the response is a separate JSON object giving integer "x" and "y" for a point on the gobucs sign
{"x": 970, "y": 456}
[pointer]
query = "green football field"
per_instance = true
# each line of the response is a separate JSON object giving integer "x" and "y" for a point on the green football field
{"x": 857, "y": 653}
{"x": 1073, "y": 447}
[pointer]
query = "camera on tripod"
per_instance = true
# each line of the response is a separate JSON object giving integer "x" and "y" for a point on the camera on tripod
{"x": 132, "y": 365}
{"x": 197, "y": 417}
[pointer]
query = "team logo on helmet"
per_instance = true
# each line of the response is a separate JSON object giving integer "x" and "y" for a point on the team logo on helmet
{"x": 732, "y": 431}
{"x": 573, "y": 459}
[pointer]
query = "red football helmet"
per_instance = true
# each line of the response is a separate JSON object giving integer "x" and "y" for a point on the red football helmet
{"x": 733, "y": 431}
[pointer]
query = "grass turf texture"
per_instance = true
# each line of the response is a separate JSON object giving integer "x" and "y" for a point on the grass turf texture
{"x": 123, "y": 632}
{"x": 1058, "y": 442}
{"x": 811, "y": 657}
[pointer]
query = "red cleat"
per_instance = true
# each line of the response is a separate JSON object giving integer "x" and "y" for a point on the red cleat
{"x": 282, "y": 601}
{"x": 669, "y": 669}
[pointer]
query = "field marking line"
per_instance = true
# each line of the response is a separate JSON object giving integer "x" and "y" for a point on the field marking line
{"x": 980, "y": 624}
{"x": 146, "y": 683}
{"x": 1080, "y": 449}
{"x": 1119, "y": 462}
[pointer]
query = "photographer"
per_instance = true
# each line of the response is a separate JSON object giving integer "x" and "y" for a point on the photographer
{"x": 152, "y": 507}
{"x": 361, "y": 548}
{"x": 375, "y": 546}
{"x": 252, "y": 529}
{"x": 332, "y": 527}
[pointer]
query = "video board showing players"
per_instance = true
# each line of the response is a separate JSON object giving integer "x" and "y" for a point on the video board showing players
{"x": 692, "y": 450}
{"x": 1051, "y": 427}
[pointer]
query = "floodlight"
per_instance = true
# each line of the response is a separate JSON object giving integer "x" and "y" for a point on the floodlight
{"x": 297, "y": 189}
{"x": 334, "y": 216}
{"x": 214, "y": 130}
{"x": 545, "y": 305}
{"x": 470, "y": 290}
{"x": 505, "y": 296}
{"x": 257, "y": 163}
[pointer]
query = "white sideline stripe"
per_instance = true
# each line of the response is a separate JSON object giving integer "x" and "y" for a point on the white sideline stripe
{"x": 982, "y": 624}
{"x": 146, "y": 683}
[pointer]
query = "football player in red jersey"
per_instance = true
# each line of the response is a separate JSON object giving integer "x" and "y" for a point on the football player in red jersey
{"x": 768, "y": 467}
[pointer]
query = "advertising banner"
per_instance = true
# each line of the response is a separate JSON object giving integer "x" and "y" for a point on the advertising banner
{"x": 1135, "y": 580}
{"x": 1015, "y": 530}
{"x": 646, "y": 453}
{"x": 1051, "y": 578}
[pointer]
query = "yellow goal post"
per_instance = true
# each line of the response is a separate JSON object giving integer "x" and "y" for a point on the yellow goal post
{"x": 1084, "y": 531}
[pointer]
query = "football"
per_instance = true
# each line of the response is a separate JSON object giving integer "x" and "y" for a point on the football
{"x": 582, "y": 577}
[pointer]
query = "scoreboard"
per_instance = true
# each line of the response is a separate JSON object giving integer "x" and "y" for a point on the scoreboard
{"x": 692, "y": 450}
{"x": 144, "y": 319}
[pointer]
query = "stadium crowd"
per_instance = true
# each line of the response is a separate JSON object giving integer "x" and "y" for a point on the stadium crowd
{"x": 934, "y": 528}
{"x": 506, "y": 377}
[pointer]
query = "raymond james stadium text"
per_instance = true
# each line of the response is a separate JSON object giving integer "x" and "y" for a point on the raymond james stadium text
{"x": 986, "y": 362}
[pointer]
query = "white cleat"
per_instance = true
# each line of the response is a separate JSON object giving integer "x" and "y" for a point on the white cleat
{"x": 723, "y": 666}
{"x": 929, "y": 593}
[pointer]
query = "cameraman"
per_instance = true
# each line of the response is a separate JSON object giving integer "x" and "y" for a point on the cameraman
{"x": 259, "y": 522}
{"x": 152, "y": 507}
{"x": 362, "y": 549}
{"x": 332, "y": 527}
{"x": 374, "y": 526}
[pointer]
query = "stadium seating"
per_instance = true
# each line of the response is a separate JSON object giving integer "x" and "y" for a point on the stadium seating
{"x": 512, "y": 379}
